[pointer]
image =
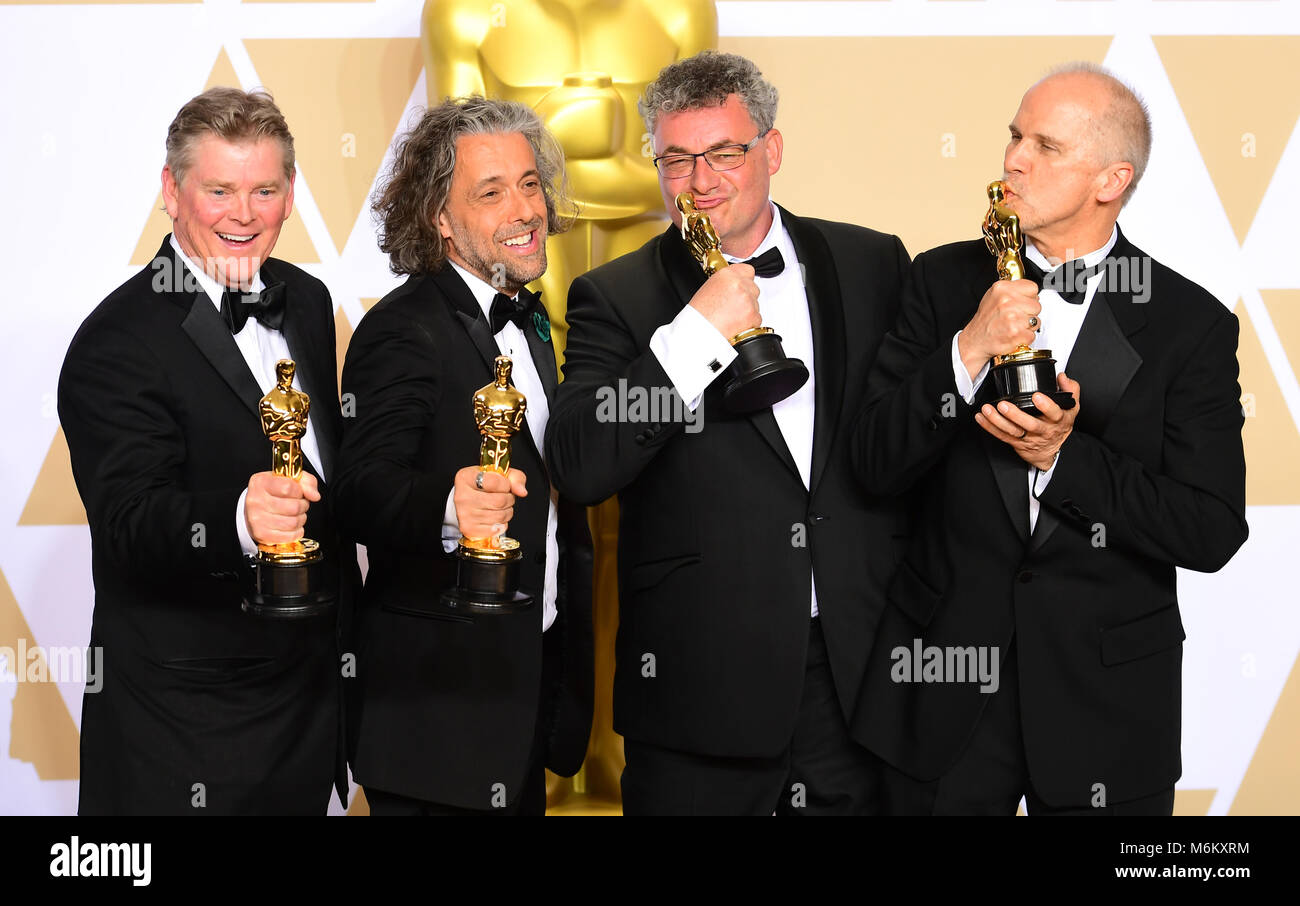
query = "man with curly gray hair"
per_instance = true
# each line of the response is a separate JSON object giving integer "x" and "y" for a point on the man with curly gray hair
{"x": 751, "y": 567}
{"x": 461, "y": 715}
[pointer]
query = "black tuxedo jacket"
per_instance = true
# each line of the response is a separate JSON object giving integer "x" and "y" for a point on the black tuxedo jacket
{"x": 160, "y": 412}
{"x": 719, "y": 539}
{"x": 1152, "y": 477}
{"x": 449, "y": 706}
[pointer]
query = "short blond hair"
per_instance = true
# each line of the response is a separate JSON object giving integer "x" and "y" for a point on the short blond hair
{"x": 231, "y": 114}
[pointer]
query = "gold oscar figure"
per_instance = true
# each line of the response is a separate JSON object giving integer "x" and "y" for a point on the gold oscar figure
{"x": 1002, "y": 234}
{"x": 1019, "y": 374}
{"x": 701, "y": 238}
{"x": 288, "y": 579}
{"x": 762, "y": 375}
{"x": 284, "y": 420}
{"x": 487, "y": 575}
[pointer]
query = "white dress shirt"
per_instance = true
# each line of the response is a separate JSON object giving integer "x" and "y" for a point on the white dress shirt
{"x": 523, "y": 373}
{"x": 1059, "y": 331}
{"x": 261, "y": 348}
{"x": 689, "y": 345}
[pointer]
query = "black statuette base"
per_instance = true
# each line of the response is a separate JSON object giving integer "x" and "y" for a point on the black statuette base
{"x": 761, "y": 375}
{"x": 1017, "y": 382}
{"x": 485, "y": 586}
{"x": 296, "y": 591}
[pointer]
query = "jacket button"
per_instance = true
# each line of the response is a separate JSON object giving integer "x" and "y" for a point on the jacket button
{"x": 817, "y": 518}
{"x": 640, "y": 437}
{"x": 1025, "y": 577}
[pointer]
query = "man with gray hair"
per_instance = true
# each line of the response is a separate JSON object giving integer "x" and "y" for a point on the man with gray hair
{"x": 205, "y": 707}
{"x": 751, "y": 566}
{"x": 461, "y": 714}
{"x": 1047, "y": 540}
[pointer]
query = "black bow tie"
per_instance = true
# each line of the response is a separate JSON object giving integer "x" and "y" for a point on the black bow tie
{"x": 267, "y": 306}
{"x": 1070, "y": 280}
{"x": 768, "y": 264}
{"x": 506, "y": 310}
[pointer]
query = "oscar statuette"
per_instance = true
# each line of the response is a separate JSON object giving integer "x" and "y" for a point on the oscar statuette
{"x": 487, "y": 569}
{"x": 288, "y": 580}
{"x": 1021, "y": 373}
{"x": 761, "y": 375}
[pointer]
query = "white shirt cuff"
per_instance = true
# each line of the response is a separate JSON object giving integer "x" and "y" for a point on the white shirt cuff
{"x": 246, "y": 541}
{"x": 692, "y": 352}
{"x": 965, "y": 386}
{"x": 450, "y": 524}
{"x": 1042, "y": 479}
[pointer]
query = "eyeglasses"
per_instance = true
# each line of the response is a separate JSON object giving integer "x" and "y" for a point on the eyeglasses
{"x": 728, "y": 157}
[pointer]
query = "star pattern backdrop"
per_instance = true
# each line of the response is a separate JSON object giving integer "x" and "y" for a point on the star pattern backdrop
{"x": 894, "y": 114}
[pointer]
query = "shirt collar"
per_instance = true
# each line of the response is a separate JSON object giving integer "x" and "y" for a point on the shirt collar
{"x": 776, "y": 236}
{"x": 210, "y": 286}
{"x": 1034, "y": 255}
{"x": 482, "y": 291}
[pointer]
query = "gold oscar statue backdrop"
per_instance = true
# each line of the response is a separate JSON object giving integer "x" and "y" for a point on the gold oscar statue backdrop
{"x": 892, "y": 118}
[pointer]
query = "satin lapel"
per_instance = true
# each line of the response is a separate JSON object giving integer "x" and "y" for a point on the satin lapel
{"x": 686, "y": 277}
{"x": 1103, "y": 361}
{"x": 684, "y": 273}
{"x": 826, "y": 312}
{"x": 468, "y": 314}
{"x": 1012, "y": 476}
{"x": 543, "y": 355}
{"x": 307, "y": 345}
{"x": 212, "y": 336}
{"x": 1009, "y": 470}
{"x": 543, "y": 352}
{"x": 472, "y": 319}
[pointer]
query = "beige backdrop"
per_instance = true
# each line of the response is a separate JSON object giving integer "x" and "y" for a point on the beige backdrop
{"x": 894, "y": 114}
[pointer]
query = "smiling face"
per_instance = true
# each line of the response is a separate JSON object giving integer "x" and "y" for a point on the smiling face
{"x": 1066, "y": 196}
{"x": 495, "y": 217}
{"x": 228, "y": 208}
{"x": 735, "y": 200}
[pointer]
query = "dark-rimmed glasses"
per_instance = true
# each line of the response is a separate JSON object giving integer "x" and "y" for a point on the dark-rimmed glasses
{"x": 727, "y": 157}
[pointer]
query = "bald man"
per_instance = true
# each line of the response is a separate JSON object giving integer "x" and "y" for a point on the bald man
{"x": 1032, "y": 645}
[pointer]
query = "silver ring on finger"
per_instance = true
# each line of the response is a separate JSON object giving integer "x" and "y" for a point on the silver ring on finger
{"x": 478, "y": 481}
{"x": 1023, "y": 432}
{"x": 1034, "y": 322}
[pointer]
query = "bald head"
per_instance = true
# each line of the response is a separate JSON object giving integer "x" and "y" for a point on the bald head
{"x": 1119, "y": 124}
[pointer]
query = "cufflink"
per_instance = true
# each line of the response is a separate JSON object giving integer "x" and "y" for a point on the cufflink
{"x": 715, "y": 366}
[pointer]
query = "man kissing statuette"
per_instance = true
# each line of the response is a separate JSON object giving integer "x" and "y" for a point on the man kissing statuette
{"x": 1021, "y": 373}
{"x": 761, "y": 375}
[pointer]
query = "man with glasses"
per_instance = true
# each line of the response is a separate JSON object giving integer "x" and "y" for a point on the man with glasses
{"x": 750, "y": 566}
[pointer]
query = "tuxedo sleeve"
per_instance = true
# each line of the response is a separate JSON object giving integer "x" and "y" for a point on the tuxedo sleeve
{"x": 913, "y": 408}
{"x": 385, "y": 495}
{"x": 592, "y": 451}
{"x": 1190, "y": 512}
{"x": 123, "y": 425}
